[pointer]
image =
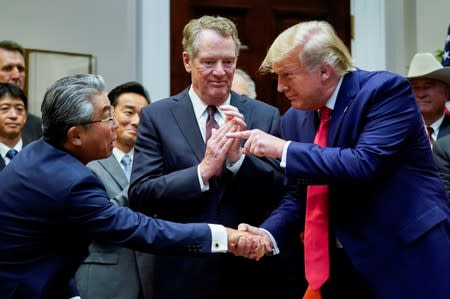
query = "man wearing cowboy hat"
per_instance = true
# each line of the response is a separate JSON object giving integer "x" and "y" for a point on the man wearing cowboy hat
{"x": 430, "y": 82}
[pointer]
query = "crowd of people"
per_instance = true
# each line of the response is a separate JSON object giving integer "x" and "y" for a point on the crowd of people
{"x": 212, "y": 194}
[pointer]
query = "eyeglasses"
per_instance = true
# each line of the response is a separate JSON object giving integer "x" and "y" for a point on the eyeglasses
{"x": 109, "y": 120}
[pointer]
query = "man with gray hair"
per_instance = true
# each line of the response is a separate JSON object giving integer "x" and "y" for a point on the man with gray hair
{"x": 243, "y": 84}
{"x": 52, "y": 206}
{"x": 187, "y": 170}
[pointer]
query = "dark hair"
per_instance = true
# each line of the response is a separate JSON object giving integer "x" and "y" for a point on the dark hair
{"x": 14, "y": 91}
{"x": 132, "y": 86}
{"x": 12, "y": 46}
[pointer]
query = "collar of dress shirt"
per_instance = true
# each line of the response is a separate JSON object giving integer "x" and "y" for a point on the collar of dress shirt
{"x": 4, "y": 148}
{"x": 118, "y": 154}
{"x": 436, "y": 126}
{"x": 200, "y": 106}
{"x": 332, "y": 100}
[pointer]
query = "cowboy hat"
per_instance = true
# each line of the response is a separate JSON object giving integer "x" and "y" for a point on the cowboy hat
{"x": 424, "y": 65}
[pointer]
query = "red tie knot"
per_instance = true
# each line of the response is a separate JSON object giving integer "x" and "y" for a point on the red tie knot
{"x": 325, "y": 113}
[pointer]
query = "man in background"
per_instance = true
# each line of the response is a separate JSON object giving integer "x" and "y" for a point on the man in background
{"x": 243, "y": 84}
{"x": 430, "y": 82}
{"x": 13, "y": 116}
{"x": 127, "y": 273}
{"x": 13, "y": 70}
{"x": 186, "y": 170}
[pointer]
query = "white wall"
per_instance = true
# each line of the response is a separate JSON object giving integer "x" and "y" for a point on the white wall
{"x": 433, "y": 18}
{"x": 103, "y": 28}
{"x": 389, "y": 32}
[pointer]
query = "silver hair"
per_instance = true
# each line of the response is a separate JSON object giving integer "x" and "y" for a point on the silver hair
{"x": 250, "y": 83}
{"x": 67, "y": 103}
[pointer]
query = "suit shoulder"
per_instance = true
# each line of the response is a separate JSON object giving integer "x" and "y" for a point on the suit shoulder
{"x": 259, "y": 105}
{"x": 443, "y": 142}
{"x": 381, "y": 78}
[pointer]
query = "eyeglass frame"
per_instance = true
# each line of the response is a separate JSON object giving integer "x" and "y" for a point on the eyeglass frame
{"x": 109, "y": 120}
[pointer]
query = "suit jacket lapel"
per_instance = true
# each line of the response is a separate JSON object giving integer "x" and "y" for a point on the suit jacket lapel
{"x": 240, "y": 103}
{"x": 444, "y": 128}
{"x": 112, "y": 166}
{"x": 346, "y": 95}
{"x": 184, "y": 116}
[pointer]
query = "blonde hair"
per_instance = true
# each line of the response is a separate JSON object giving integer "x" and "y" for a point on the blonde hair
{"x": 191, "y": 32}
{"x": 317, "y": 43}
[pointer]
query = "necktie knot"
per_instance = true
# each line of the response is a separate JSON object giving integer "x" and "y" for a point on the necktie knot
{"x": 211, "y": 110}
{"x": 11, "y": 154}
{"x": 126, "y": 163}
{"x": 325, "y": 114}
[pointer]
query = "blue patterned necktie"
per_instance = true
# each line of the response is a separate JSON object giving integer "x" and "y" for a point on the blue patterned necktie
{"x": 11, "y": 154}
{"x": 126, "y": 165}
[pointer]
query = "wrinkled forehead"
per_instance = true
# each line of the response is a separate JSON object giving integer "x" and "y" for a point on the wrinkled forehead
{"x": 11, "y": 57}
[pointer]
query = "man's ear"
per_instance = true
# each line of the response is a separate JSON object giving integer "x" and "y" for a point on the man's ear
{"x": 186, "y": 61}
{"x": 325, "y": 72}
{"x": 74, "y": 136}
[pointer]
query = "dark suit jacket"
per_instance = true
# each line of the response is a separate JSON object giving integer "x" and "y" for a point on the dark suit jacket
{"x": 33, "y": 128}
{"x": 123, "y": 270}
{"x": 441, "y": 154}
{"x": 164, "y": 183}
{"x": 52, "y": 207}
{"x": 387, "y": 203}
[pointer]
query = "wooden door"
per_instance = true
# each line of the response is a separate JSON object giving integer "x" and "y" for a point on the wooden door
{"x": 258, "y": 23}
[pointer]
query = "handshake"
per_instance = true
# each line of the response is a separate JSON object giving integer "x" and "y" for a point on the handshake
{"x": 249, "y": 241}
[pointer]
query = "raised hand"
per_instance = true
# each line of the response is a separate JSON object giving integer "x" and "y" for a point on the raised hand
{"x": 233, "y": 115}
{"x": 217, "y": 148}
{"x": 260, "y": 143}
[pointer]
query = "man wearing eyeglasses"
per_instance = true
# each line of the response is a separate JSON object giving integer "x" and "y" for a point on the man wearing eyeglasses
{"x": 126, "y": 272}
{"x": 52, "y": 206}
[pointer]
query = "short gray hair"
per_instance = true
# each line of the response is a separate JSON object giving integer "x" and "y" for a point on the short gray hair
{"x": 221, "y": 25}
{"x": 67, "y": 103}
{"x": 250, "y": 83}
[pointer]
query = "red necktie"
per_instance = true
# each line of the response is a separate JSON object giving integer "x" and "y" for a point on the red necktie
{"x": 317, "y": 258}
{"x": 210, "y": 121}
{"x": 430, "y": 131}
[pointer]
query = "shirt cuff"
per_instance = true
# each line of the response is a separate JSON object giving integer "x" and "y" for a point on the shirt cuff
{"x": 234, "y": 167}
{"x": 203, "y": 187}
{"x": 284, "y": 155}
{"x": 275, "y": 249}
{"x": 219, "y": 238}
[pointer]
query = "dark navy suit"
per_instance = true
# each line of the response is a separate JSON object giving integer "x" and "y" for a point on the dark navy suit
{"x": 52, "y": 207}
{"x": 388, "y": 206}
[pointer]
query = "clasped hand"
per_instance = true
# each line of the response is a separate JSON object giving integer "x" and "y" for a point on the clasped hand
{"x": 220, "y": 148}
{"x": 249, "y": 241}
